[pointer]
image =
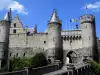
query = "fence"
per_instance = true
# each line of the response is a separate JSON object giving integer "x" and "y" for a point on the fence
{"x": 34, "y": 71}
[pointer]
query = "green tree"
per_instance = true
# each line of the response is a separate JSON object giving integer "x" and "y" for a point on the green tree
{"x": 95, "y": 67}
{"x": 20, "y": 63}
{"x": 39, "y": 60}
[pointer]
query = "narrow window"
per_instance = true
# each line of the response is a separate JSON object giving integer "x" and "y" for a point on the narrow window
{"x": 28, "y": 33}
{"x": 10, "y": 54}
{"x": 89, "y": 38}
{"x": 73, "y": 37}
{"x": 79, "y": 37}
{"x": 24, "y": 54}
{"x": 4, "y": 53}
{"x": 65, "y": 38}
{"x": 44, "y": 42}
{"x": 68, "y": 38}
{"x": 14, "y": 24}
{"x": 17, "y": 54}
{"x": 53, "y": 39}
{"x": 86, "y": 26}
{"x": 14, "y": 31}
{"x": 76, "y": 37}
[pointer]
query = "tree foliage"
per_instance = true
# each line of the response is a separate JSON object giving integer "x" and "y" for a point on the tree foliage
{"x": 95, "y": 67}
{"x": 39, "y": 60}
{"x": 20, "y": 63}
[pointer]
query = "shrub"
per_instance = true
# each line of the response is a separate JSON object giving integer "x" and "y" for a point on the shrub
{"x": 20, "y": 63}
{"x": 39, "y": 60}
{"x": 95, "y": 67}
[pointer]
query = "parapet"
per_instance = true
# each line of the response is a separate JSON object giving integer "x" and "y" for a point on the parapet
{"x": 88, "y": 18}
{"x": 75, "y": 37}
{"x": 4, "y": 22}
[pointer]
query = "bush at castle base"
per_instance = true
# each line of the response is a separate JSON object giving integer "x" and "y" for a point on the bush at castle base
{"x": 20, "y": 63}
{"x": 39, "y": 60}
{"x": 95, "y": 67}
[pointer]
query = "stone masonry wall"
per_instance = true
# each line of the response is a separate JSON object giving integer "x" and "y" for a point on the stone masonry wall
{"x": 22, "y": 45}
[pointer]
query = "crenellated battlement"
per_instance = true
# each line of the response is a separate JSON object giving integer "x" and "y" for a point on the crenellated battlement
{"x": 78, "y": 37}
{"x": 87, "y": 19}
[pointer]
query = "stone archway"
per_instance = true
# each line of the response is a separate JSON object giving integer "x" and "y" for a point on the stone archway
{"x": 71, "y": 57}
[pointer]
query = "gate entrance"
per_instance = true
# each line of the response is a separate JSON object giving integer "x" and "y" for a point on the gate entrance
{"x": 71, "y": 57}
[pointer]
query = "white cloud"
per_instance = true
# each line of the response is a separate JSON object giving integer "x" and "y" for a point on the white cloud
{"x": 93, "y": 6}
{"x": 16, "y": 6}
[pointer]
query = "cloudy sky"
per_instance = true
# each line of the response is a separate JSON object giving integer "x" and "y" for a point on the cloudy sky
{"x": 39, "y": 11}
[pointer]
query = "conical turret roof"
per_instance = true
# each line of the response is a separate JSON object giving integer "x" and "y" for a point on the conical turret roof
{"x": 54, "y": 17}
{"x": 6, "y": 17}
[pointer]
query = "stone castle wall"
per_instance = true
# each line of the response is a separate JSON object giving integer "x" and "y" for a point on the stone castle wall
{"x": 23, "y": 40}
{"x": 39, "y": 40}
{"x": 72, "y": 39}
{"x": 27, "y": 45}
{"x": 20, "y": 41}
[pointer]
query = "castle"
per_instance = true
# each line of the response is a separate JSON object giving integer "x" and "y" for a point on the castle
{"x": 76, "y": 45}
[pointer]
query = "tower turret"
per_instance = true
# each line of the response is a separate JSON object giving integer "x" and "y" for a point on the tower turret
{"x": 54, "y": 38}
{"x": 87, "y": 24}
{"x": 4, "y": 40}
{"x": 35, "y": 29}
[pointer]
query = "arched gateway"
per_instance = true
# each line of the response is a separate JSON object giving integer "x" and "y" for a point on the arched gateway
{"x": 71, "y": 57}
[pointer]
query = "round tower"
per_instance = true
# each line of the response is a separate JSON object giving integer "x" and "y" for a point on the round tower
{"x": 87, "y": 24}
{"x": 54, "y": 38}
{"x": 4, "y": 40}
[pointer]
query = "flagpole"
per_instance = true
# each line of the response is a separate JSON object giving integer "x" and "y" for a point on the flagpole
{"x": 66, "y": 25}
{"x": 72, "y": 29}
{"x": 69, "y": 27}
{"x": 66, "y": 28}
{"x": 86, "y": 9}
